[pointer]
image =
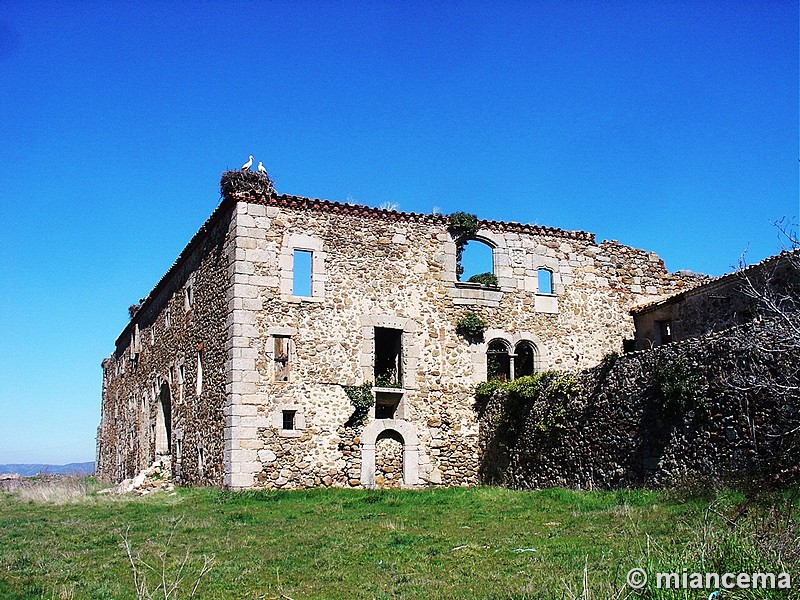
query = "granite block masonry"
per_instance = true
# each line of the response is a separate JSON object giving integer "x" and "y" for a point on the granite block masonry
{"x": 236, "y": 363}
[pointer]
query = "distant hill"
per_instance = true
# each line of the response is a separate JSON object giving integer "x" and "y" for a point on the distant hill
{"x": 84, "y": 468}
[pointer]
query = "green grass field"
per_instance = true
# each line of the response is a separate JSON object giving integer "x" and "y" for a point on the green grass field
{"x": 437, "y": 543}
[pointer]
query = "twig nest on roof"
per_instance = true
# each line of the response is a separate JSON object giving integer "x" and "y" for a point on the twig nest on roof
{"x": 238, "y": 184}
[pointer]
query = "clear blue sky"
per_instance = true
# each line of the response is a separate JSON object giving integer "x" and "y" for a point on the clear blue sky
{"x": 670, "y": 126}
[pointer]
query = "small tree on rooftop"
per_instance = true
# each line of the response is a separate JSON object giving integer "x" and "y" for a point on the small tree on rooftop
{"x": 462, "y": 226}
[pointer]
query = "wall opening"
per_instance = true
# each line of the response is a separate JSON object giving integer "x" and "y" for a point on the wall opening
{"x": 664, "y": 330}
{"x": 498, "y": 361}
{"x": 389, "y": 405}
{"x": 163, "y": 429}
{"x": 199, "y": 383}
{"x": 545, "y": 281}
{"x": 280, "y": 356}
{"x": 302, "y": 273}
{"x": 388, "y": 357}
{"x": 389, "y": 447}
{"x": 477, "y": 258}
{"x": 288, "y": 420}
{"x": 524, "y": 359}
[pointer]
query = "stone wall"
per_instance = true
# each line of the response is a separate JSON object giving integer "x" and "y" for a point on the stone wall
{"x": 721, "y": 303}
{"x": 717, "y": 409}
{"x": 382, "y": 295}
{"x": 157, "y": 356}
{"x": 374, "y": 270}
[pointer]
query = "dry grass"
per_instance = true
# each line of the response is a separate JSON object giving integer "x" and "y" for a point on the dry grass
{"x": 54, "y": 490}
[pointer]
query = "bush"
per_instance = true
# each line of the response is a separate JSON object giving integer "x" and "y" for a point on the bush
{"x": 462, "y": 226}
{"x": 489, "y": 279}
{"x": 362, "y": 400}
{"x": 471, "y": 327}
{"x": 679, "y": 386}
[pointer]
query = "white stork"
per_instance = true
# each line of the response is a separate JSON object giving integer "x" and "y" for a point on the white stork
{"x": 261, "y": 168}
{"x": 246, "y": 166}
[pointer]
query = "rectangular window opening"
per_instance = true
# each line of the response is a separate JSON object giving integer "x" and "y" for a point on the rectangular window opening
{"x": 302, "y": 273}
{"x": 665, "y": 332}
{"x": 388, "y": 357}
{"x": 281, "y": 357}
{"x": 288, "y": 419}
{"x": 388, "y": 405}
{"x": 199, "y": 386}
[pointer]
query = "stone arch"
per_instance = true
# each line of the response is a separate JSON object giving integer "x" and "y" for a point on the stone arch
{"x": 526, "y": 358}
{"x": 478, "y": 257}
{"x": 390, "y": 428}
{"x": 389, "y": 459}
{"x": 164, "y": 420}
{"x": 542, "y": 356}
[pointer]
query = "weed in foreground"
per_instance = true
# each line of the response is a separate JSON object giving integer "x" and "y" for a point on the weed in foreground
{"x": 173, "y": 578}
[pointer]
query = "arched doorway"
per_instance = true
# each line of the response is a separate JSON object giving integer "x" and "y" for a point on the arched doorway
{"x": 389, "y": 459}
{"x": 164, "y": 421}
{"x": 389, "y": 445}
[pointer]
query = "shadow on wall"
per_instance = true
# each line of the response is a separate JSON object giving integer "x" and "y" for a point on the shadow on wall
{"x": 723, "y": 409}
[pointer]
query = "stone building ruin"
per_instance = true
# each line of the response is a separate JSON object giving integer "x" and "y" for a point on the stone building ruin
{"x": 237, "y": 365}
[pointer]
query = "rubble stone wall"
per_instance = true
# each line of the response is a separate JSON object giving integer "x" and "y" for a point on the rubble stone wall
{"x": 380, "y": 269}
{"x": 277, "y": 352}
{"x": 158, "y": 353}
{"x": 712, "y": 410}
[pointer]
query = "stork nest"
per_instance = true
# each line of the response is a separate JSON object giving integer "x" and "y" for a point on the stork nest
{"x": 245, "y": 183}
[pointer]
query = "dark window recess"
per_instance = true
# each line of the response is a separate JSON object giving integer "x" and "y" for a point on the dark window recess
{"x": 665, "y": 331}
{"x": 498, "y": 362}
{"x": 387, "y": 404}
{"x": 628, "y": 345}
{"x": 288, "y": 419}
{"x": 525, "y": 361}
{"x": 385, "y": 410}
{"x": 281, "y": 357}
{"x": 388, "y": 357}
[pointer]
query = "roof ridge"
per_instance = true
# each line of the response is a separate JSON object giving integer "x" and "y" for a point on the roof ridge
{"x": 362, "y": 210}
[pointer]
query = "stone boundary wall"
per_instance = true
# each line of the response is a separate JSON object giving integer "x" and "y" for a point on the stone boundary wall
{"x": 738, "y": 418}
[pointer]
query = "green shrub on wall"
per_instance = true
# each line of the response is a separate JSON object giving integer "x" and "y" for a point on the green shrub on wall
{"x": 471, "y": 327}
{"x": 679, "y": 387}
{"x": 362, "y": 400}
{"x": 462, "y": 226}
{"x": 541, "y": 397}
{"x": 489, "y": 279}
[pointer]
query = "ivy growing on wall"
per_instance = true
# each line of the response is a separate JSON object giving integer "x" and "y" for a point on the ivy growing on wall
{"x": 540, "y": 398}
{"x": 362, "y": 400}
{"x": 462, "y": 226}
{"x": 679, "y": 387}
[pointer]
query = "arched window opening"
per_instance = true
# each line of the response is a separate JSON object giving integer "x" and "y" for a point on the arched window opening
{"x": 498, "y": 361}
{"x": 524, "y": 359}
{"x": 476, "y": 263}
{"x": 545, "y": 277}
